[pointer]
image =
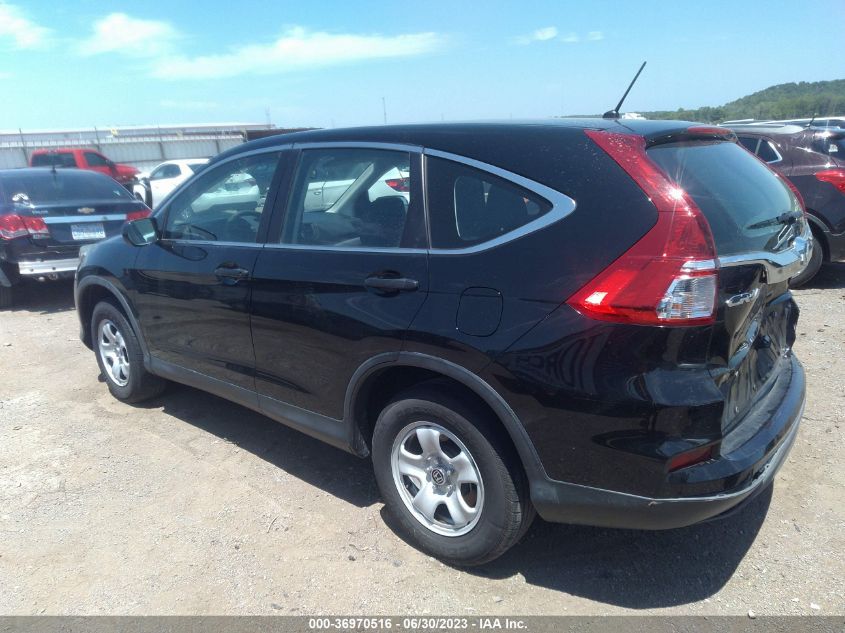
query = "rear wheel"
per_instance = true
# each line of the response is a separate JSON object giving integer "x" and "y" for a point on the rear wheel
{"x": 447, "y": 476}
{"x": 815, "y": 263}
{"x": 120, "y": 357}
{"x": 6, "y": 297}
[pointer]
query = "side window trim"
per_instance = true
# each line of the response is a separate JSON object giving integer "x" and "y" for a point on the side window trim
{"x": 562, "y": 205}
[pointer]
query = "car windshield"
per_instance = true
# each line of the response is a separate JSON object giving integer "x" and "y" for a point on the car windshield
{"x": 51, "y": 187}
{"x": 196, "y": 167}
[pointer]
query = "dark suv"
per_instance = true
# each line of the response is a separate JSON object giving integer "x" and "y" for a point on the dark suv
{"x": 813, "y": 159}
{"x": 583, "y": 317}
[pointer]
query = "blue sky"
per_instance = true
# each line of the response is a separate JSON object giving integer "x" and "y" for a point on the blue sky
{"x": 81, "y": 63}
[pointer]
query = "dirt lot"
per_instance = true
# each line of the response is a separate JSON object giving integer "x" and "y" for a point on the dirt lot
{"x": 191, "y": 504}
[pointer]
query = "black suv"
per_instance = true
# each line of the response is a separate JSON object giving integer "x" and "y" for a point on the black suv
{"x": 583, "y": 317}
{"x": 813, "y": 159}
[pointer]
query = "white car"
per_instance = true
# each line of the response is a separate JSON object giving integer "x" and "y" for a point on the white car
{"x": 152, "y": 188}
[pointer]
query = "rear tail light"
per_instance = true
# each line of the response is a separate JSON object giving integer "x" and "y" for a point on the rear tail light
{"x": 669, "y": 277}
{"x": 399, "y": 184}
{"x": 36, "y": 227}
{"x": 13, "y": 226}
{"x": 794, "y": 190}
{"x": 835, "y": 177}
{"x": 690, "y": 458}
{"x": 137, "y": 215}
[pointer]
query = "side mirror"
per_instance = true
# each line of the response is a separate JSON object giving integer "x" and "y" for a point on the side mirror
{"x": 141, "y": 232}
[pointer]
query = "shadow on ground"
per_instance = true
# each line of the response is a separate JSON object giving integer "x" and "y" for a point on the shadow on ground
{"x": 633, "y": 569}
{"x": 48, "y": 297}
{"x": 829, "y": 277}
{"x": 338, "y": 473}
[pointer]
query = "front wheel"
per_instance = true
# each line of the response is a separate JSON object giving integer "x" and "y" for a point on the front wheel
{"x": 449, "y": 477}
{"x": 120, "y": 357}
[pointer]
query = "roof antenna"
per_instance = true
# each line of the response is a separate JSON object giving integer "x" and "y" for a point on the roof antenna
{"x": 614, "y": 114}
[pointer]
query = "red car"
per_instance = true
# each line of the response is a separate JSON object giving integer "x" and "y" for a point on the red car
{"x": 89, "y": 159}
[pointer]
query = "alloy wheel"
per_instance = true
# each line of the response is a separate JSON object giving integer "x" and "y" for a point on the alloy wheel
{"x": 437, "y": 478}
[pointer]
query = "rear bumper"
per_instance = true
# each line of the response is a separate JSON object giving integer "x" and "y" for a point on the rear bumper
{"x": 563, "y": 502}
{"x": 48, "y": 267}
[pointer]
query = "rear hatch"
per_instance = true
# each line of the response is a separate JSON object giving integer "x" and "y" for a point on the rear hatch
{"x": 66, "y": 208}
{"x": 762, "y": 240}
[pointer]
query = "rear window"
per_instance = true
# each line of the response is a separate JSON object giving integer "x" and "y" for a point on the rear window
{"x": 747, "y": 206}
{"x": 196, "y": 167}
{"x": 49, "y": 187}
{"x": 59, "y": 160}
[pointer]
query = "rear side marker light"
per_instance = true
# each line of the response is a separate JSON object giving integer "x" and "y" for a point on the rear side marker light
{"x": 835, "y": 177}
{"x": 670, "y": 276}
{"x": 690, "y": 458}
{"x": 13, "y": 226}
{"x": 137, "y": 215}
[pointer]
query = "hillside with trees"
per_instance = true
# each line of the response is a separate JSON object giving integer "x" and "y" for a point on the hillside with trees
{"x": 784, "y": 101}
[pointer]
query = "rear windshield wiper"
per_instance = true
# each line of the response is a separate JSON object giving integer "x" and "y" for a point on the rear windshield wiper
{"x": 784, "y": 218}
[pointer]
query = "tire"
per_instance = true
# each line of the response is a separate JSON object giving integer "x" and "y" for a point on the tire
{"x": 445, "y": 515}
{"x": 6, "y": 297}
{"x": 120, "y": 357}
{"x": 815, "y": 263}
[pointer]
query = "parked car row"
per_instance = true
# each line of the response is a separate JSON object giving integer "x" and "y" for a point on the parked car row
{"x": 594, "y": 325}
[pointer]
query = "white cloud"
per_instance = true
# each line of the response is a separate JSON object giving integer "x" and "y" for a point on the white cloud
{"x": 297, "y": 49}
{"x": 546, "y": 33}
{"x": 23, "y": 32}
{"x": 121, "y": 33}
{"x": 540, "y": 35}
{"x": 551, "y": 33}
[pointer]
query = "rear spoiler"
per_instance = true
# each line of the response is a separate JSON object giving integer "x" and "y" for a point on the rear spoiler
{"x": 692, "y": 133}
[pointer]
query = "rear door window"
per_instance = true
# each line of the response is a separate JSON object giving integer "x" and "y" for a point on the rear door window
{"x": 468, "y": 206}
{"x": 354, "y": 198}
{"x": 747, "y": 206}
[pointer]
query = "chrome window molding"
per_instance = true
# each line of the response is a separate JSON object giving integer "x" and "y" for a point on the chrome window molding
{"x": 562, "y": 205}
{"x": 780, "y": 266}
{"x": 182, "y": 241}
{"x": 347, "y": 249}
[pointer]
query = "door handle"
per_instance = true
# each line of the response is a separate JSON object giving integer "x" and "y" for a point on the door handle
{"x": 391, "y": 284}
{"x": 231, "y": 274}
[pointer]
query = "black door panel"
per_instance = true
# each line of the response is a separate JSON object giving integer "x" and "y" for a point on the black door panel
{"x": 191, "y": 315}
{"x": 315, "y": 320}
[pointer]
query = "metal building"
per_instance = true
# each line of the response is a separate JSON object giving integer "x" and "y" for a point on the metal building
{"x": 141, "y": 146}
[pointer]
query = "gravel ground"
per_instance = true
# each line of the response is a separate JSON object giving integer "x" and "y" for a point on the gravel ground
{"x": 193, "y": 505}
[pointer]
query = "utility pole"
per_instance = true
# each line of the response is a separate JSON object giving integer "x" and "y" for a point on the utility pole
{"x": 384, "y": 109}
